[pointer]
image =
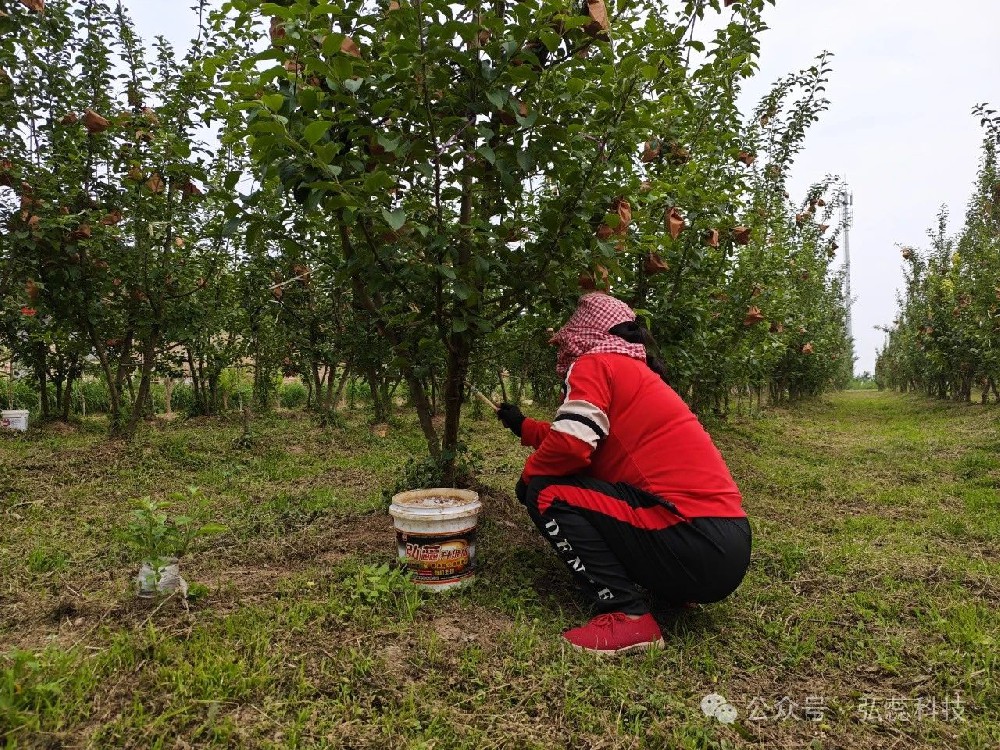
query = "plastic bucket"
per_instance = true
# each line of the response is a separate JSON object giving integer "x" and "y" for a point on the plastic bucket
{"x": 165, "y": 578}
{"x": 14, "y": 419}
{"x": 436, "y": 535}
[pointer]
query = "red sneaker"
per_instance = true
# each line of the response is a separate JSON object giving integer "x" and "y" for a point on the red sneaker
{"x": 616, "y": 633}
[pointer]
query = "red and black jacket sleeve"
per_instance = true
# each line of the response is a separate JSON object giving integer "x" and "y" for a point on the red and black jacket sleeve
{"x": 565, "y": 446}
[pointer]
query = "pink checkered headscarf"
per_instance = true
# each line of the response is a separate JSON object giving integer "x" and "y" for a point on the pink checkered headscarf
{"x": 587, "y": 331}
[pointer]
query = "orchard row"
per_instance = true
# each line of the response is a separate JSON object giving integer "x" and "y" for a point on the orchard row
{"x": 946, "y": 339}
{"x": 409, "y": 193}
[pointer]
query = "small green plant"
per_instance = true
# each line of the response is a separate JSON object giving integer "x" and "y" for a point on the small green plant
{"x": 293, "y": 395}
{"x": 46, "y": 559}
{"x": 429, "y": 472}
{"x": 39, "y": 688}
{"x": 384, "y": 589}
{"x": 245, "y": 440}
{"x": 161, "y": 540}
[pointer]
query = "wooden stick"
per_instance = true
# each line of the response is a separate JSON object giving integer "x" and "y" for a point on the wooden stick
{"x": 477, "y": 392}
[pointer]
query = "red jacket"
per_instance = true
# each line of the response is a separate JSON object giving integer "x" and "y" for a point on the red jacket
{"x": 620, "y": 422}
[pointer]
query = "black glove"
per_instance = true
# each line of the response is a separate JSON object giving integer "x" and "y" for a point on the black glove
{"x": 511, "y": 417}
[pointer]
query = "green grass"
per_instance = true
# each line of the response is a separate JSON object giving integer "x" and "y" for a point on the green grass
{"x": 877, "y": 552}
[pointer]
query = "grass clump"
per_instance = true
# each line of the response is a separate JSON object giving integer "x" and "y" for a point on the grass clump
{"x": 873, "y": 584}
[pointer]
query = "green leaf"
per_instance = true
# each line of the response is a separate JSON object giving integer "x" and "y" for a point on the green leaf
{"x": 378, "y": 181}
{"x": 447, "y": 271}
{"x": 550, "y": 39}
{"x": 353, "y": 84}
{"x": 462, "y": 290}
{"x": 487, "y": 153}
{"x": 343, "y": 68}
{"x": 497, "y": 98}
{"x": 459, "y": 325}
{"x": 389, "y": 143}
{"x": 273, "y": 102}
{"x": 315, "y": 130}
{"x": 395, "y": 219}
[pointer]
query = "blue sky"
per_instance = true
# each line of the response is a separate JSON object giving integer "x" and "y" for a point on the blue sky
{"x": 906, "y": 74}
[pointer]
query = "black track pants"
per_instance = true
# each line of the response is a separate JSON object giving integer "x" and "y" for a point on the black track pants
{"x": 614, "y": 543}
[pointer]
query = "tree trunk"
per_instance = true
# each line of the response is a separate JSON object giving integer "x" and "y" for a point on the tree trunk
{"x": 333, "y": 394}
{"x": 344, "y": 380}
{"x": 67, "y": 403}
{"x": 58, "y": 379}
{"x": 199, "y": 402}
{"x": 318, "y": 384}
{"x": 114, "y": 400}
{"x": 168, "y": 393}
{"x": 425, "y": 412}
{"x": 261, "y": 374}
{"x": 454, "y": 385}
{"x": 379, "y": 410}
{"x": 213, "y": 392}
{"x": 41, "y": 374}
{"x": 148, "y": 360}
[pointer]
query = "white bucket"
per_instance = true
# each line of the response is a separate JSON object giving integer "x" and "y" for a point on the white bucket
{"x": 436, "y": 535}
{"x": 14, "y": 419}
